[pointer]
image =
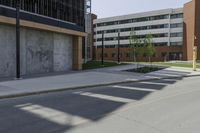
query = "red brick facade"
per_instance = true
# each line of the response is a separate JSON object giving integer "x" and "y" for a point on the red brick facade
{"x": 191, "y": 28}
{"x": 162, "y": 53}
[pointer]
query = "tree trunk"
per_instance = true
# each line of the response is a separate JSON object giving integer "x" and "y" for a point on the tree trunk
{"x": 149, "y": 59}
{"x": 134, "y": 56}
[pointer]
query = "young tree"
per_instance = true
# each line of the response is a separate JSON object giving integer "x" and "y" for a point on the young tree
{"x": 135, "y": 45}
{"x": 149, "y": 49}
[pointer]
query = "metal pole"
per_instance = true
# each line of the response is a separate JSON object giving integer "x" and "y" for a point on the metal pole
{"x": 18, "y": 39}
{"x": 102, "y": 52}
{"x": 194, "y": 58}
{"x": 118, "y": 58}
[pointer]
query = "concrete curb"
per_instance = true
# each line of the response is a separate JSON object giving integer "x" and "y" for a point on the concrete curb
{"x": 88, "y": 86}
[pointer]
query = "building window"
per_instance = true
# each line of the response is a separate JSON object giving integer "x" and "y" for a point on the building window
{"x": 175, "y": 16}
{"x": 179, "y": 34}
{"x": 109, "y": 46}
{"x": 128, "y": 37}
{"x": 134, "y": 20}
{"x": 162, "y": 26}
{"x": 125, "y": 29}
{"x": 176, "y": 43}
{"x": 99, "y": 39}
{"x": 125, "y": 21}
{"x": 99, "y": 32}
{"x": 160, "y": 44}
{"x": 176, "y": 25}
{"x": 175, "y": 56}
{"x": 124, "y": 45}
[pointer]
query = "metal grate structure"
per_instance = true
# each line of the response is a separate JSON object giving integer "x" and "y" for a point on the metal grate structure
{"x": 88, "y": 28}
{"x": 67, "y": 10}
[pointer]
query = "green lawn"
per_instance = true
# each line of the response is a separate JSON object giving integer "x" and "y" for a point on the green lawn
{"x": 188, "y": 65}
{"x": 97, "y": 64}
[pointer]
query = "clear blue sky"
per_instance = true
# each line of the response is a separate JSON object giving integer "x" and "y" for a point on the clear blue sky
{"x": 108, "y": 8}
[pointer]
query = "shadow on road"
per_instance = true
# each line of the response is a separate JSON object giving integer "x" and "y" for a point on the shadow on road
{"x": 60, "y": 112}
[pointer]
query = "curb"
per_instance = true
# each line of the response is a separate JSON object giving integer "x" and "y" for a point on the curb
{"x": 88, "y": 86}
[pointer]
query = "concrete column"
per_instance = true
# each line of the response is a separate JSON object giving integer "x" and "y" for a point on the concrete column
{"x": 77, "y": 53}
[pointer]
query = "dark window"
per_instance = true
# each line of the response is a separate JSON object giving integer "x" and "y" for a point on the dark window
{"x": 124, "y": 45}
{"x": 125, "y": 21}
{"x": 99, "y": 39}
{"x": 152, "y": 18}
{"x": 160, "y": 44}
{"x": 176, "y": 25}
{"x": 179, "y": 34}
{"x": 139, "y": 36}
{"x": 125, "y": 30}
{"x": 162, "y": 26}
{"x": 174, "y": 16}
{"x": 175, "y": 56}
{"x": 99, "y": 32}
{"x": 176, "y": 43}
{"x": 109, "y": 46}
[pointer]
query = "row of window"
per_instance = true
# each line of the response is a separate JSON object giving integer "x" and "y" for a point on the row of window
{"x": 160, "y": 44}
{"x": 179, "y": 34}
{"x": 161, "y": 35}
{"x": 161, "y": 26}
{"x": 151, "y": 18}
{"x": 155, "y": 44}
{"x": 165, "y": 55}
{"x": 176, "y": 25}
{"x": 176, "y": 43}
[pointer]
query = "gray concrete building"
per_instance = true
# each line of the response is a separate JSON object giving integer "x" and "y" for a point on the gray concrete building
{"x": 165, "y": 26}
{"x": 49, "y": 42}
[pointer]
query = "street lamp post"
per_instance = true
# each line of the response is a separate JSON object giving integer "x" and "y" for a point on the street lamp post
{"x": 18, "y": 39}
{"x": 118, "y": 57}
{"x": 102, "y": 50}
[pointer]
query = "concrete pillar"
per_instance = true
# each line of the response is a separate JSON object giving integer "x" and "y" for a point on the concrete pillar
{"x": 77, "y": 53}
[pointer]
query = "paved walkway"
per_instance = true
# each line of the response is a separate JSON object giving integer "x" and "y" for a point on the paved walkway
{"x": 95, "y": 77}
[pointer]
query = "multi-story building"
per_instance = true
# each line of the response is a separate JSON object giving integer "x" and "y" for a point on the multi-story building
{"x": 51, "y": 36}
{"x": 166, "y": 26}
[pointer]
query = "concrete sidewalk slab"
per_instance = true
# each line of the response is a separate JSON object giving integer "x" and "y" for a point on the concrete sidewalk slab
{"x": 67, "y": 81}
{"x": 97, "y": 77}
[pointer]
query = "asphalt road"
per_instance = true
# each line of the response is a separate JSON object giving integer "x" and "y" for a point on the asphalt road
{"x": 159, "y": 106}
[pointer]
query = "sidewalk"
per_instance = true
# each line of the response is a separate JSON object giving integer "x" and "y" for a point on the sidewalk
{"x": 97, "y": 77}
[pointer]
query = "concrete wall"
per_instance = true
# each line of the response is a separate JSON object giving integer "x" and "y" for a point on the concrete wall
{"x": 41, "y": 51}
{"x": 7, "y": 51}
